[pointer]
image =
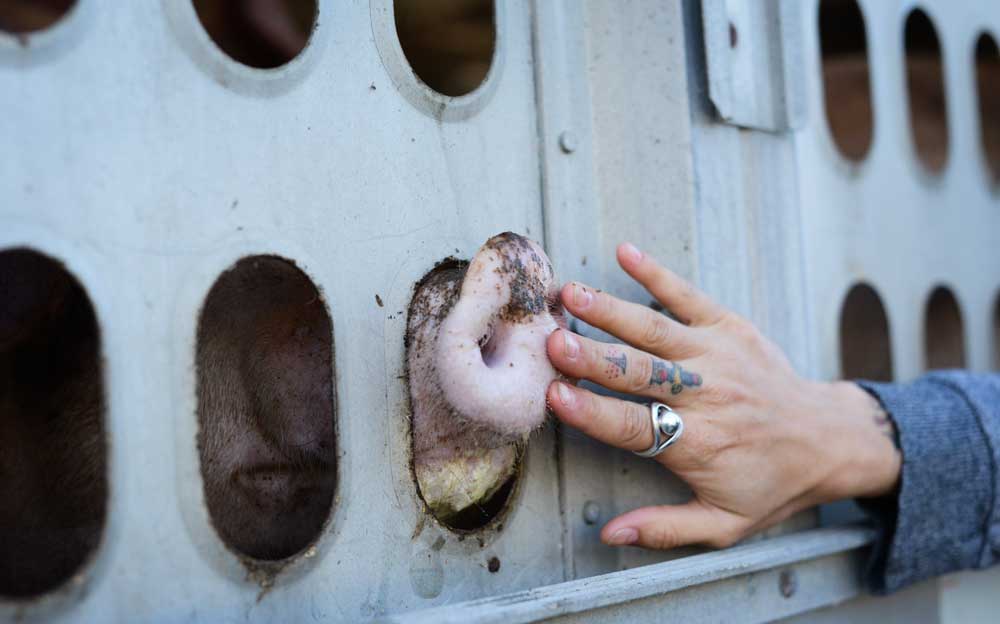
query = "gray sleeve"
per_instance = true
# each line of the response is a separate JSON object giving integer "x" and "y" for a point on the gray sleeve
{"x": 945, "y": 515}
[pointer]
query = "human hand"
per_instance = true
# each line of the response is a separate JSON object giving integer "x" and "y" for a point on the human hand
{"x": 760, "y": 442}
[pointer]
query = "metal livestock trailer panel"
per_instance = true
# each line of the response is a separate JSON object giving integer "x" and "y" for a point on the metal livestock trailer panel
{"x": 148, "y": 162}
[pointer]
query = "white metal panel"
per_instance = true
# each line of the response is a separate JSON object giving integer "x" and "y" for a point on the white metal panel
{"x": 149, "y": 162}
{"x": 750, "y": 583}
{"x": 895, "y": 225}
{"x": 632, "y": 63}
{"x": 888, "y": 222}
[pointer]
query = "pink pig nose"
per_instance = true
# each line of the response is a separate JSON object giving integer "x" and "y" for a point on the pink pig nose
{"x": 490, "y": 358}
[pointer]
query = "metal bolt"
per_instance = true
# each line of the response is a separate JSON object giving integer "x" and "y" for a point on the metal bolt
{"x": 567, "y": 141}
{"x": 788, "y": 583}
{"x": 591, "y": 512}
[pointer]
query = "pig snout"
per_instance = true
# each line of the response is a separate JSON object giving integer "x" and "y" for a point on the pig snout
{"x": 478, "y": 371}
{"x": 490, "y": 352}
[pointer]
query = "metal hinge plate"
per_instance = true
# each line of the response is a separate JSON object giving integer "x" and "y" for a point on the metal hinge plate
{"x": 754, "y": 58}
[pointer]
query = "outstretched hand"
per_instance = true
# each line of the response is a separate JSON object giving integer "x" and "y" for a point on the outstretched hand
{"x": 760, "y": 442}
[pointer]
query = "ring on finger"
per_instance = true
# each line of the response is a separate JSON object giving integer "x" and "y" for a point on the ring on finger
{"x": 667, "y": 429}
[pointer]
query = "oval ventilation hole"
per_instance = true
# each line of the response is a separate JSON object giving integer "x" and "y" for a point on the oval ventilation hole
{"x": 944, "y": 337}
{"x": 463, "y": 477}
{"x": 27, "y": 16}
{"x": 925, "y": 86}
{"x": 846, "y": 79}
{"x": 266, "y": 408}
{"x": 448, "y": 43}
{"x": 258, "y": 33}
{"x": 865, "y": 348}
{"x": 988, "y": 88}
{"x": 53, "y": 463}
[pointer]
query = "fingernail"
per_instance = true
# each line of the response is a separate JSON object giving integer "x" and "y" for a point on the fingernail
{"x": 621, "y": 537}
{"x": 631, "y": 252}
{"x": 571, "y": 346}
{"x": 581, "y": 296}
{"x": 565, "y": 394}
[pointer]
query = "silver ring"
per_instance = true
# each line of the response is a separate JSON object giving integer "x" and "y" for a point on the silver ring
{"x": 666, "y": 422}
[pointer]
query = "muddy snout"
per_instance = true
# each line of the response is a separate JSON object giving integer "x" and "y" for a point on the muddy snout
{"x": 478, "y": 369}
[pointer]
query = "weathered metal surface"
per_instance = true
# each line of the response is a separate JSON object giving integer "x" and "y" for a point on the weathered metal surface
{"x": 148, "y": 162}
{"x": 642, "y": 182}
{"x": 128, "y": 156}
{"x": 754, "y": 54}
{"x": 898, "y": 227}
{"x": 919, "y": 604}
{"x": 613, "y": 597}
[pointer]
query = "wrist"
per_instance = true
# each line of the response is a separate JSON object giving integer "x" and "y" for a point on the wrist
{"x": 863, "y": 458}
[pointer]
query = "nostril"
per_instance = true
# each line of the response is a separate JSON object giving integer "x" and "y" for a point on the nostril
{"x": 488, "y": 346}
{"x": 556, "y": 309}
{"x": 495, "y": 347}
{"x": 488, "y": 352}
{"x": 553, "y": 302}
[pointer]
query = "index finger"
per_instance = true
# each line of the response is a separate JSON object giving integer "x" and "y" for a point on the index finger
{"x": 678, "y": 295}
{"x": 635, "y": 324}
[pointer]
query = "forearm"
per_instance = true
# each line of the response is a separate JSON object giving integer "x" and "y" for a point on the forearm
{"x": 941, "y": 517}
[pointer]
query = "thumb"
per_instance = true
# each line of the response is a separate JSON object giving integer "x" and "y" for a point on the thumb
{"x": 669, "y": 526}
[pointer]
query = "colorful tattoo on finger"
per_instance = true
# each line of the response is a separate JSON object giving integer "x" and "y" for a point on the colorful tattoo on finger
{"x": 618, "y": 364}
{"x": 674, "y": 374}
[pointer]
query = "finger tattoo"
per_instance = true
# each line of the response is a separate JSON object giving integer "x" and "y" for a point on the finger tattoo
{"x": 619, "y": 363}
{"x": 674, "y": 374}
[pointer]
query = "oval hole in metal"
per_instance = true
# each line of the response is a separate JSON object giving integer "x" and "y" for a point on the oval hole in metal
{"x": 448, "y": 43}
{"x": 944, "y": 337}
{"x": 865, "y": 349}
{"x": 846, "y": 77}
{"x": 266, "y": 408}
{"x": 53, "y": 464}
{"x": 27, "y": 16}
{"x": 464, "y": 483}
{"x": 925, "y": 87}
{"x": 258, "y": 33}
{"x": 988, "y": 89}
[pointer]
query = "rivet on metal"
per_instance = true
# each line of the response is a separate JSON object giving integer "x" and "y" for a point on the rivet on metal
{"x": 591, "y": 512}
{"x": 788, "y": 583}
{"x": 567, "y": 141}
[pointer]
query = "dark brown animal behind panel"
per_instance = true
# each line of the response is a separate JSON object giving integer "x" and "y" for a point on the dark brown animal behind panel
{"x": 865, "y": 340}
{"x": 25, "y": 16}
{"x": 258, "y": 33}
{"x": 846, "y": 79}
{"x": 53, "y": 451}
{"x": 925, "y": 82}
{"x": 988, "y": 90}
{"x": 448, "y": 43}
{"x": 848, "y": 92}
{"x": 266, "y": 408}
